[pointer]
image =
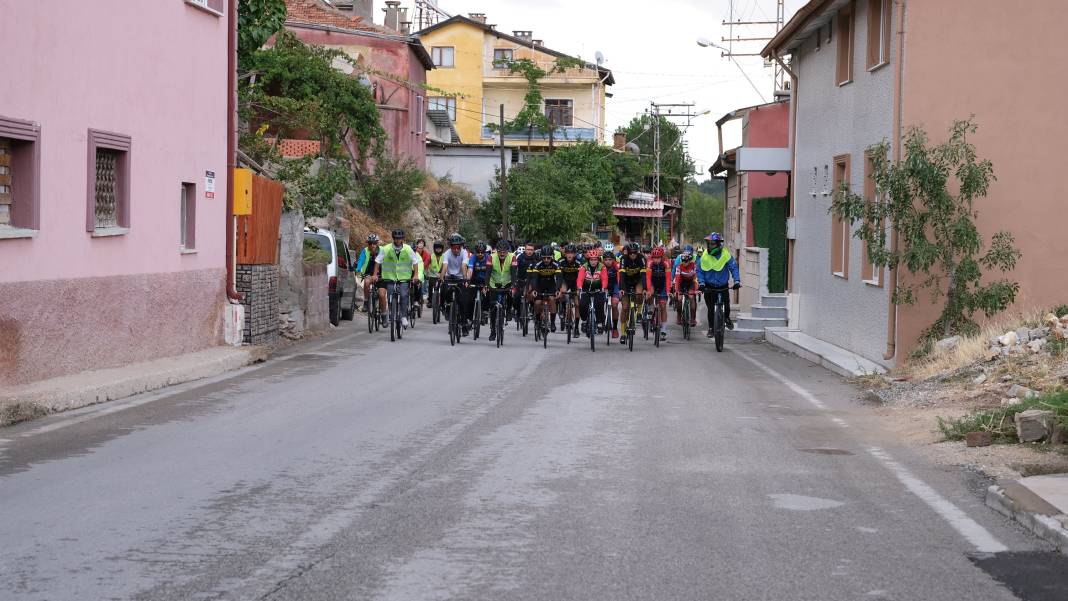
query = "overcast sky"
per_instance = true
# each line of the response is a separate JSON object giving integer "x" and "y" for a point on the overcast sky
{"x": 651, "y": 47}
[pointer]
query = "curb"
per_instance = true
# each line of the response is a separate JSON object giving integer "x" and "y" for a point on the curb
{"x": 1050, "y": 528}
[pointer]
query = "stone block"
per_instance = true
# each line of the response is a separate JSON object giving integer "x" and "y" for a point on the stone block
{"x": 1034, "y": 425}
{"x": 1059, "y": 435}
{"x": 1010, "y": 339}
{"x": 1023, "y": 335}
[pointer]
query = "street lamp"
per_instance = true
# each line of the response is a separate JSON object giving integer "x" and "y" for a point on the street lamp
{"x": 707, "y": 43}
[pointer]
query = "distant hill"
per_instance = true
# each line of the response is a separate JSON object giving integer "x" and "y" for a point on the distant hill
{"x": 712, "y": 187}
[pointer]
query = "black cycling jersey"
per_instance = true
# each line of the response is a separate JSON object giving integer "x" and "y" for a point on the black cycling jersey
{"x": 661, "y": 271}
{"x": 569, "y": 272}
{"x": 522, "y": 264}
{"x": 545, "y": 277}
{"x": 613, "y": 278}
{"x": 631, "y": 271}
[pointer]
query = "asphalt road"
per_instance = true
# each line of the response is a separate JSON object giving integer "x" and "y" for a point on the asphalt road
{"x": 356, "y": 468}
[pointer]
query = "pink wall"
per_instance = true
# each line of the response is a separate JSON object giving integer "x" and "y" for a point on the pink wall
{"x": 155, "y": 71}
{"x": 766, "y": 127}
{"x": 398, "y": 116}
{"x": 992, "y": 59}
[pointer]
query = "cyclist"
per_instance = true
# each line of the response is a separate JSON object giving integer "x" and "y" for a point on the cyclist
{"x": 611, "y": 268}
{"x": 545, "y": 280}
{"x": 478, "y": 272}
{"x": 631, "y": 278}
{"x": 520, "y": 277}
{"x": 365, "y": 266}
{"x": 714, "y": 271}
{"x": 593, "y": 281}
{"x": 678, "y": 259}
{"x": 453, "y": 273}
{"x": 397, "y": 265}
{"x": 433, "y": 269}
{"x": 500, "y": 282}
{"x": 658, "y": 285}
{"x": 569, "y": 271}
{"x": 686, "y": 284}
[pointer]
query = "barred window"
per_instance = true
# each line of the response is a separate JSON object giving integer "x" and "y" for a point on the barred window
{"x": 5, "y": 181}
{"x": 20, "y": 175}
{"x": 108, "y": 201}
{"x": 560, "y": 112}
{"x": 106, "y": 188}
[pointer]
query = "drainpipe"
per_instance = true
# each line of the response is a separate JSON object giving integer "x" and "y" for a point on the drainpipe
{"x": 231, "y": 145}
{"x": 891, "y": 316}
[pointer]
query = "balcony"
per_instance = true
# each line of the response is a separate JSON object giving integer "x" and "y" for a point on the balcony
{"x": 561, "y": 135}
{"x": 493, "y": 73}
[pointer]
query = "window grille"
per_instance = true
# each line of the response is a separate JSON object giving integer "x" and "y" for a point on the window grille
{"x": 107, "y": 188}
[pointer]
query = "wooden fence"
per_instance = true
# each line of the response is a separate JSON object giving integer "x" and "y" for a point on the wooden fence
{"x": 257, "y": 234}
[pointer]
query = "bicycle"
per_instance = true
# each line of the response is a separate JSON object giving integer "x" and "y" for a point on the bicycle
{"x": 455, "y": 325}
{"x": 633, "y": 315}
{"x": 414, "y": 307}
{"x": 686, "y": 308}
{"x": 570, "y": 321}
{"x": 498, "y": 314}
{"x": 608, "y": 325}
{"x": 542, "y": 319}
{"x": 718, "y": 321}
{"x": 591, "y": 322}
{"x": 434, "y": 292}
{"x": 476, "y": 314}
{"x": 654, "y": 322}
{"x": 522, "y": 322}
{"x": 396, "y": 313}
{"x": 374, "y": 315}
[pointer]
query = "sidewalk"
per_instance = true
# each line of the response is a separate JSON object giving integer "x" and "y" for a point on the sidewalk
{"x": 1039, "y": 503}
{"x": 97, "y": 386}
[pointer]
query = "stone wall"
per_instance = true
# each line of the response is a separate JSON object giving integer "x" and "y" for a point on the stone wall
{"x": 317, "y": 299}
{"x": 259, "y": 286}
{"x": 292, "y": 295}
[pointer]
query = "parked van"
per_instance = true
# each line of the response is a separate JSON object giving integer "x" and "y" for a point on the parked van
{"x": 340, "y": 273}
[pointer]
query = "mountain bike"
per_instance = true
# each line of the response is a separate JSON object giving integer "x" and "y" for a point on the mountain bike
{"x": 718, "y": 321}
{"x": 414, "y": 307}
{"x": 433, "y": 290}
{"x": 396, "y": 312}
{"x": 374, "y": 315}
{"x": 455, "y": 320}
{"x": 497, "y": 313}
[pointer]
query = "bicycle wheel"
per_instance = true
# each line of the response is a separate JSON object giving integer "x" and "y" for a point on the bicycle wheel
{"x": 372, "y": 312}
{"x": 476, "y": 325}
{"x": 645, "y": 323}
{"x": 591, "y": 326}
{"x": 545, "y": 317}
{"x": 452, "y": 325}
{"x": 656, "y": 326}
{"x": 567, "y": 317}
{"x": 392, "y": 312}
{"x": 686, "y": 318}
{"x": 632, "y": 328}
{"x": 607, "y": 324}
{"x": 436, "y": 302}
{"x": 719, "y": 328}
{"x": 500, "y": 325}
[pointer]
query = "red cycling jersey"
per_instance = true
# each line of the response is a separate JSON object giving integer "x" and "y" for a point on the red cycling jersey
{"x": 686, "y": 272}
{"x": 662, "y": 269}
{"x": 589, "y": 280}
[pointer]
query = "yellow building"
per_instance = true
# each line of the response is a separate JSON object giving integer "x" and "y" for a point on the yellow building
{"x": 467, "y": 54}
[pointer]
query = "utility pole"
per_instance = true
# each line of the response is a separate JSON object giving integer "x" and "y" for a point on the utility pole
{"x": 507, "y": 234}
{"x": 667, "y": 111}
{"x": 746, "y": 32}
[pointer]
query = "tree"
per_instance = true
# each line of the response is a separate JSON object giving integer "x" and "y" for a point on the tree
{"x": 675, "y": 166}
{"x": 257, "y": 21}
{"x": 929, "y": 199}
{"x": 702, "y": 213}
{"x": 531, "y": 118}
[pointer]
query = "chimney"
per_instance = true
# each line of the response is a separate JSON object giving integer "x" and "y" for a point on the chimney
{"x": 480, "y": 17}
{"x": 392, "y": 20}
{"x": 538, "y": 42}
{"x": 364, "y": 9}
{"x": 526, "y": 36}
{"x": 619, "y": 141}
{"x": 405, "y": 23}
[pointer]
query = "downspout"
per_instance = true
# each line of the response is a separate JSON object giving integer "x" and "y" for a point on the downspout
{"x": 891, "y": 315}
{"x": 791, "y": 183}
{"x": 231, "y": 147}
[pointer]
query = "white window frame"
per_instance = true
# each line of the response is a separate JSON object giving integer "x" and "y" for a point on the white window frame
{"x": 437, "y": 56}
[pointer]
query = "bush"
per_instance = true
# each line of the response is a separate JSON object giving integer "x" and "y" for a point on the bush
{"x": 390, "y": 191}
{"x": 1000, "y": 422}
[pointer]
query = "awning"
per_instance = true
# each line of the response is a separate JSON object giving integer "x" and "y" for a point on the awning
{"x": 648, "y": 213}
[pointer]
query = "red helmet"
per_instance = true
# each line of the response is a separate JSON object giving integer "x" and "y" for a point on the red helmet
{"x": 593, "y": 253}
{"x": 658, "y": 253}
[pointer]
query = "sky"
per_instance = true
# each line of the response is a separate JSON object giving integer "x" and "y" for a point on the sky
{"x": 651, "y": 47}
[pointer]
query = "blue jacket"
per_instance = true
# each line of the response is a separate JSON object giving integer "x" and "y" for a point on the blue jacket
{"x": 718, "y": 279}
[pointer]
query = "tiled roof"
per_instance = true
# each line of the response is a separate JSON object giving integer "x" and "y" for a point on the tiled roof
{"x": 318, "y": 13}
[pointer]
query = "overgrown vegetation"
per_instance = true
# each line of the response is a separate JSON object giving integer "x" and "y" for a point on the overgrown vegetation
{"x": 1000, "y": 421}
{"x": 675, "y": 166}
{"x": 531, "y": 118}
{"x": 558, "y": 196}
{"x": 929, "y": 199}
{"x": 389, "y": 191}
{"x": 702, "y": 213}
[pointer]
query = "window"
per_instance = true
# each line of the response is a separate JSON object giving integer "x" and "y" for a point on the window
{"x": 20, "y": 177}
{"x": 870, "y": 273}
{"x": 840, "y": 230}
{"x": 560, "y": 112}
{"x": 878, "y": 33}
{"x": 444, "y": 103}
{"x": 188, "y": 217}
{"x": 502, "y": 56}
{"x": 108, "y": 199}
{"x": 443, "y": 56}
{"x": 420, "y": 117}
{"x": 844, "y": 66}
{"x": 212, "y": 6}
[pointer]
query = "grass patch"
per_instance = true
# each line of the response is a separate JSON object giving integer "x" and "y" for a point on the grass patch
{"x": 870, "y": 382}
{"x": 970, "y": 349}
{"x": 1000, "y": 422}
{"x": 13, "y": 413}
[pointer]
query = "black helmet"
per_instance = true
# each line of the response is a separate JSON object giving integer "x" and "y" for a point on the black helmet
{"x": 537, "y": 255}
{"x": 439, "y": 244}
{"x": 647, "y": 249}
{"x": 570, "y": 248}
{"x": 546, "y": 251}
{"x": 455, "y": 239}
{"x": 480, "y": 247}
{"x": 633, "y": 247}
{"x": 398, "y": 233}
{"x": 372, "y": 238}
{"x": 503, "y": 245}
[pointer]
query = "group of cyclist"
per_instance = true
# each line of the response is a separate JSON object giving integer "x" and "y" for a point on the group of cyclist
{"x": 546, "y": 274}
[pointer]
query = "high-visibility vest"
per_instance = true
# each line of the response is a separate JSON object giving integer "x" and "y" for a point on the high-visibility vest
{"x": 502, "y": 270}
{"x": 436, "y": 261}
{"x": 557, "y": 255}
{"x": 711, "y": 263}
{"x": 397, "y": 265}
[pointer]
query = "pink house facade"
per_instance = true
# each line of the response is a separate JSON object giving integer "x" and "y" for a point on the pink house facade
{"x": 112, "y": 195}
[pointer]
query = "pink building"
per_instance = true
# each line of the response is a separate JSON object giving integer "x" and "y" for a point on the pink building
{"x": 396, "y": 66}
{"x": 112, "y": 169}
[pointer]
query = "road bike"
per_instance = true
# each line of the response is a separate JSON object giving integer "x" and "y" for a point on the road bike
{"x": 570, "y": 320}
{"x": 718, "y": 321}
{"x": 608, "y": 323}
{"x": 654, "y": 321}
{"x": 374, "y": 315}
{"x": 634, "y": 315}
{"x": 522, "y": 321}
{"x": 452, "y": 289}
{"x": 498, "y": 312}
{"x": 543, "y": 320}
{"x": 591, "y": 324}
{"x": 396, "y": 312}
{"x": 687, "y": 308}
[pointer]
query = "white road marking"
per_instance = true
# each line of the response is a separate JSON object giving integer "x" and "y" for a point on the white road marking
{"x": 980, "y": 537}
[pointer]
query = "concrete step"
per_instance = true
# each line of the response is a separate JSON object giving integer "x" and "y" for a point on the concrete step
{"x": 765, "y": 311}
{"x": 832, "y": 357}
{"x": 746, "y": 320}
{"x": 742, "y": 334}
{"x": 774, "y": 300}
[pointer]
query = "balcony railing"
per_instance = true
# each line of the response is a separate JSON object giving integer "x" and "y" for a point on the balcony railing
{"x": 560, "y": 134}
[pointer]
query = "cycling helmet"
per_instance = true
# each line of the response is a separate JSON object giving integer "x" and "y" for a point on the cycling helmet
{"x": 398, "y": 233}
{"x": 687, "y": 257}
{"x": 546, "y": 251}
{"x": 502, "y": 245}
{"x": 372, "y": 238}
{"x": 480, "y": 247}
{"x": 593, "y": 254}
{"x": 714, "y": 237}
{"x": 439, "y": 245}
{"x": 554, "y": 246}
{"x": 633, "y": 247}
{"x": 537, "y": 255}
{"x": 687, "y": 249}
{"x": 609, "y": 255}
{"x": 456, "y": 239}
{"x": 647, "y": 249}
{"x": 570, "y": 248}
{"x": 609, "y": 247}
{"x": 658, "y": 253}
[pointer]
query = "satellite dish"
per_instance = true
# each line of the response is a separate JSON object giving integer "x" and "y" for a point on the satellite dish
{"x": 634, "y": 148}
{"x": 600, "y": 58}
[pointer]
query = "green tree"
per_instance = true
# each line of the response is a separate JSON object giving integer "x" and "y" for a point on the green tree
{"x": 257, "y": 21}
{"x": 389, "y": 191}
{"x": 713, "y": 186}
{"x": 702, "y": 213}
{"x": 675, "y": 166}
{"x": 929, "y": 199}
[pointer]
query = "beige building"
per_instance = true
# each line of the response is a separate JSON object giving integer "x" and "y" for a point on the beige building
{"x": 469, "y": 83}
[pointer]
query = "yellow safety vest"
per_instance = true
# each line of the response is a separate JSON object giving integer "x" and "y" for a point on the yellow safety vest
{"x": 397, "y": 265}
{"x": 435, "y": 264}
{"x": 710, "y": 263}
{"x": 502, "y": 270}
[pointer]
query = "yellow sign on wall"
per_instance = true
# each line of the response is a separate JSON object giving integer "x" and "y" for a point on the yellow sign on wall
{"x": 242, "y": 191}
